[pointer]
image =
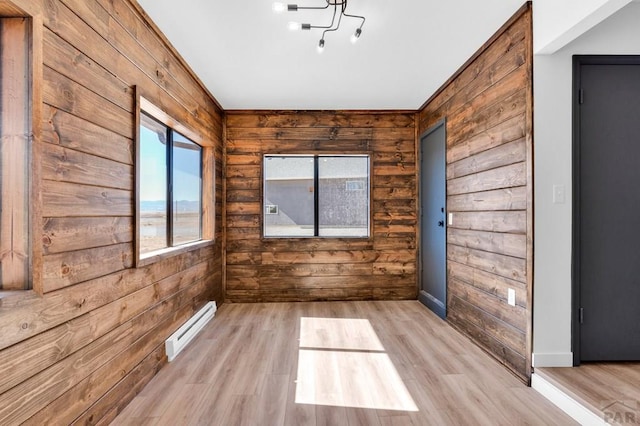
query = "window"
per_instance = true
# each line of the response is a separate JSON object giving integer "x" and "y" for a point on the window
{"x": 15, "y": 131}
{"x": 271, "y": 209}
{"x": 316, "y": 195}
{"x": 355, "y": 185}
{"x": 169, "y": 187}
{"x": 175, "y": 183}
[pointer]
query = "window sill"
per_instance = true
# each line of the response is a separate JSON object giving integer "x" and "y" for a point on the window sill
{"x": 14, "y": 298}
{"x": 314, "y": 237}
{"x": 155, "y": 256}
{"x": 300, "y": 239}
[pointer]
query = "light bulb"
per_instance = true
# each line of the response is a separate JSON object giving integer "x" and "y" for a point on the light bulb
{"x": 279, "y": 7}
{"x": 355, "y": 36}
{"x": 321, "y": 46}
{"x": 294, "y": 26}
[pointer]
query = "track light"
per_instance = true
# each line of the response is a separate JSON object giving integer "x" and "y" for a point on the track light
{"x": 339, "y": 11}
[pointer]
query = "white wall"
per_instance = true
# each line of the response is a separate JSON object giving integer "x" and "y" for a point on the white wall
{"x": 619, "y": 34}
{"x": 559, "y": 22}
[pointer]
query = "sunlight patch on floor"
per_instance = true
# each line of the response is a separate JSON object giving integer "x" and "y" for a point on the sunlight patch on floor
{"x": 341, "y": 362}
{"x": 338, "y": 333}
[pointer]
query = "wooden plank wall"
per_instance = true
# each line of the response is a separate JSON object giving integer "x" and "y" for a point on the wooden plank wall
{"x": 381, "y": 267}
{"x": 83, "y": 348}
{"x": 488, "y": 112}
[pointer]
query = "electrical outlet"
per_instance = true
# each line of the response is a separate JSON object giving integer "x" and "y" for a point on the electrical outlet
{"x": 511, "y": 297}
{"x": 450, "y": 218}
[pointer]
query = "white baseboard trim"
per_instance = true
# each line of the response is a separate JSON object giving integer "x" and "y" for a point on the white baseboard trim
{"x": 553, "y": 359}
{"x": 181, "y": 338}
{"x": 578, "y": 412}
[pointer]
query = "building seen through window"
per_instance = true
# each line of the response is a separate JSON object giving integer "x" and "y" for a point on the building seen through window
{"x": 316, "y": 196}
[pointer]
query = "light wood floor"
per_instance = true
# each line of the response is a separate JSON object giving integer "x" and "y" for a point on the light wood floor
{"x": 335, "y": 363}
{"x": 611, "y": 390}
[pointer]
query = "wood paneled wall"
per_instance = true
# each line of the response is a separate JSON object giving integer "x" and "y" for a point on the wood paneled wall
{"x": 488, "y": 112}
{"x": 94, "y": 336}
{"x": 381, "y": 267}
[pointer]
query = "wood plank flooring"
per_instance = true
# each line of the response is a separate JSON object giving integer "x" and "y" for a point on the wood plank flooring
{"x": 335, "y": 363}
{"x": 610, "y": 390}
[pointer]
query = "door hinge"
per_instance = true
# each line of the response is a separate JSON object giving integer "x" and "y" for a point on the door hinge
{"x": 580, "y": 96}
{"x": 581, "y": 315}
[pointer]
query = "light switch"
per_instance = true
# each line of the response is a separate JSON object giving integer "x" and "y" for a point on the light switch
{"x": 559, "y": 194}
{"x": 511, "y": 297}
{"x": 450, "y": 218}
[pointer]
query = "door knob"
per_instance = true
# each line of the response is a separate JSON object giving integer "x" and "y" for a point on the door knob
{"x": 441, "y": 223}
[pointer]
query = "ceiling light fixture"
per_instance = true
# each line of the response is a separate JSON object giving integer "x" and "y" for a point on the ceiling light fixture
{"x": 338, "y": 5}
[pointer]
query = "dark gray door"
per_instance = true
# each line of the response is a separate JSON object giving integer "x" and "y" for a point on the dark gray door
{"x": 608, "y": 204}
{"x": 433, "y": 275}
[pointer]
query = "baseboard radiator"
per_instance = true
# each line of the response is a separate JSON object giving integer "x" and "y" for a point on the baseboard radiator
{"x": 181, "y": 338}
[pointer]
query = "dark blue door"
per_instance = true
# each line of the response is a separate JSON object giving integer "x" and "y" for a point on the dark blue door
{"x": 608, "y": 207}
{"x": 433, "y": 273}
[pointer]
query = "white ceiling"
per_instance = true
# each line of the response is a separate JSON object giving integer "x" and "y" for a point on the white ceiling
{"x": 248, "y": 59}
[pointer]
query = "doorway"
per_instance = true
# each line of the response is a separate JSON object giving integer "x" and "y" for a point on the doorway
{"x": 433, "y": 266}
{"x": 606, "y": 246}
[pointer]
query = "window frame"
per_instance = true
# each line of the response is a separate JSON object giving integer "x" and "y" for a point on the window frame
{"x": 33, "y": 124}
{"x": 207, "y": 186}
{"x": 316, "y": 155}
